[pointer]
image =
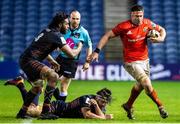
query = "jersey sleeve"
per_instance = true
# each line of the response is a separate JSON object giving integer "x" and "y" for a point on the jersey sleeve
{"x": 85, "y": 102}
{"x": 87, "y": 40}
{"x": 57, "y": 39}
{"x": 152, "y": 25}
{"x": 118, "y": 29}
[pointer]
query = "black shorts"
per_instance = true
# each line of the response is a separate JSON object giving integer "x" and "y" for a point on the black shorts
{"x": 32, "y": 68}
{"x": 68, "y": 67}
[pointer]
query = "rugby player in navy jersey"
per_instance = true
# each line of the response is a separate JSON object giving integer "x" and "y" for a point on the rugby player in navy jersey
{"x": 75, "y": 34}
{"x": 31, "y": 59}
{"x": 86, "y": 106}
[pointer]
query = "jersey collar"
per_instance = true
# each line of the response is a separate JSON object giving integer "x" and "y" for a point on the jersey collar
{"x": 72, "y": 30}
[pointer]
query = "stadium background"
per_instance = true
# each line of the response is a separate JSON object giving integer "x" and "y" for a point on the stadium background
{"x": 20, "y": 21}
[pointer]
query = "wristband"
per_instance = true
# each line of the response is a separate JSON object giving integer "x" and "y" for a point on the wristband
{"x": 82, "y": 42}
{"x": 88, "y": 61}
{"x": 97, "y": 50}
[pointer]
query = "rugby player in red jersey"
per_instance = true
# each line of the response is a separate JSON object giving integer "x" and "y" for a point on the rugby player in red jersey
{"x": 133, "y": 34}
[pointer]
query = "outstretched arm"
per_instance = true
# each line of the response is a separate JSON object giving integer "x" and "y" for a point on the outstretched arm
{"x": 103, "y": 41}
{"x": 101, "y": 44}
{"x": 88, "y": 53}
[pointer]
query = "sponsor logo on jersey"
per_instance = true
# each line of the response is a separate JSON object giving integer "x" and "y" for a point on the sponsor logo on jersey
{"x": 70, "y": 42}
{"x": 63, "y": 40}
{"x": 39, "y": 36}
{"x": 67, "y": 72}
{"x": 153, "y": 24}
{"x": 145, "y": 29}
{"x": 138, "y": 36}
{"x": 129, "y": 32}
{"x": 87, "y": 101}
{"x": 135, "y": 40}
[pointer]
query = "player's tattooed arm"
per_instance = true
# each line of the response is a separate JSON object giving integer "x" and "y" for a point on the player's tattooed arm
{"x": 53, "y": 63}
{"x": 103, "y": 41}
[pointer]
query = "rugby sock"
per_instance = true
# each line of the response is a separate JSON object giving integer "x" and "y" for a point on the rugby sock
{"x": 56, "y": 94}
{"x": 134, "y": 94}
{"x": 22, "y": 90}
{"x": 36, "y": 99}
{"x": 47, "y": 98}
{"x": 28, "y": 99}
{"x": 154, "y": 97}
{"x": 60, "y": 96}
{"x": 22, "y": 112}
{"x": 63, "y": 96}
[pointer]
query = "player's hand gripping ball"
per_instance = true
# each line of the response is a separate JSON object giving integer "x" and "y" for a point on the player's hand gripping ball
{"x": 153, "y": 34}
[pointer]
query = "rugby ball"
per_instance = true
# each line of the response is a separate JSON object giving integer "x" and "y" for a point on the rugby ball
{"x": 153, "y": 34}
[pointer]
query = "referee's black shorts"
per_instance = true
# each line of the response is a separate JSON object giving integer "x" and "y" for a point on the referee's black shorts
{"x": 68, "y": 66}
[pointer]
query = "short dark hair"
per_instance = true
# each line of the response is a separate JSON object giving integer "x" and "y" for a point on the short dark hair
{"x": 57, "y": 19}
{"x": 137, "y": 8}
{"x": 74, "y": 10}
{"x": 105, "y": 94}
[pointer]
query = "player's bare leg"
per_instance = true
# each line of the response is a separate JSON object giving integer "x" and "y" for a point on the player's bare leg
{"x": 140, "y": 71}
{"x": 146, "y": 83}
{"x": 65, "y": 82}
{"x": 37, "y": 87}
{"x": 63, "y": 92}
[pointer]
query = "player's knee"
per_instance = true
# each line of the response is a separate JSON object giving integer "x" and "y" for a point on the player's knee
{"x": 142, "y": 79}
{"x": 138, "y": 87}
{"x": 37, "y": 86}
{"x": 146, "y": 84}
{"x": 36, "y": 90}
{"x": 49, "y": 74}
{"x": 65, "y": 80}
{"x": 148, "y": 89}
{"x": 53, "y": 76}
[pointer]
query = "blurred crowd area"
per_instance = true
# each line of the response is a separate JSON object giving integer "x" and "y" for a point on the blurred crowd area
{"x": 21, "y": 20}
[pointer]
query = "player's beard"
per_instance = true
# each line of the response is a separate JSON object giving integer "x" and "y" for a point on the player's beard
{"x": 63, "y": 30}
{"x": 74, "y": 25}
{"x": 136, "y": 21}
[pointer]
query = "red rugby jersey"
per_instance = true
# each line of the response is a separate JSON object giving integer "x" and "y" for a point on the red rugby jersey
{"x": 134, "y": 39}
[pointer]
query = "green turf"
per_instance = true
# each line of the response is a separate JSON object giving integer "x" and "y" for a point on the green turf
{"x": 145, "y": 109}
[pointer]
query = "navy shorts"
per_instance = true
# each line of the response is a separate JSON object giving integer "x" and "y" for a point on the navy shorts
{"x": 32, "y": 68}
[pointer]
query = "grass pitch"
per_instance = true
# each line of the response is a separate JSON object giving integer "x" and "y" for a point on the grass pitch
{"x": 145, "y": 110}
